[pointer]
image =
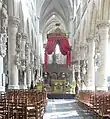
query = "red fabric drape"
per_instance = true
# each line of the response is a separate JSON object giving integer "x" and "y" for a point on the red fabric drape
{"x": 50, "y": 47}
{"x": 68, "y": 62}
{"x": 64, "y": 48}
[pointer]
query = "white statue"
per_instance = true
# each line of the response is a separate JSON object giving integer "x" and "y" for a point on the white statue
{"x": 3, "y": 34}
{"x": 4, "y": 19}
{"x": 3, "y": 40}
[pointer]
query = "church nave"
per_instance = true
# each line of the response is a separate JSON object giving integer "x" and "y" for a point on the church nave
{"x": 65, "y": 109}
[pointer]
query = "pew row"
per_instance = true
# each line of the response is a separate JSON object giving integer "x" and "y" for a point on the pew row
{"x": 97, "y": 103}
{"x": 23, "y": 104}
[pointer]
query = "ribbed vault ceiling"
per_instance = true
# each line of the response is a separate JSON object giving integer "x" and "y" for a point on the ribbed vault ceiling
{"x": 55, "y": 11}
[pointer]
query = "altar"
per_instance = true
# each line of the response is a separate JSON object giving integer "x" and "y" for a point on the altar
{"x": 57, "y": 74}
{"x": 58, "y": 86}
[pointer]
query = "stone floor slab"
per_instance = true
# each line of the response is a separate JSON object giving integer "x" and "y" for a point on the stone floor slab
{"x": 65, "y": 109}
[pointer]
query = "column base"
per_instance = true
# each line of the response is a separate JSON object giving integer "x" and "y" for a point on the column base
{"x": 102, "y": 88}
{"x": 28, "y": 85}
{"x": 83, "y": 87}
{"x": 23, "y": 87}
{"x": 13, "y": 87}
{"x": 91, "y": 88}
{"x": 2, "y": 88}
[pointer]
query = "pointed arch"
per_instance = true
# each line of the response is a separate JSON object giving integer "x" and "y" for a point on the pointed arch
{"x": 54, "y": 11}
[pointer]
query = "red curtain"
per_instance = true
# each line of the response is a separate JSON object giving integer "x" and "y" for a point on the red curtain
{"x": 50, "y": 47}
{"x": 64, "y": 48}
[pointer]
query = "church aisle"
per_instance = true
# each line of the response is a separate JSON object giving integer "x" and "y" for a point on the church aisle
{"x": 65, "y": 109}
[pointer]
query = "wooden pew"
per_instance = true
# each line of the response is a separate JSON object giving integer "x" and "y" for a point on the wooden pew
{"x": 98, "y": 103}
{"x": 23, "y": 104}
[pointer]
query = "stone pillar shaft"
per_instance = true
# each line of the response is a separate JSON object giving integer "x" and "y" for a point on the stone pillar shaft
{"x": 25, "y": 85}
{"x": 83, "y": 48}
{"x": 103, "y": 47}
{"x": 91, "y": 68}
{"x": 3, "y": 40}
{"x": 2, "y": 75}
{"x": 32, "y": 64}
{"x": 28, "y": 76}
{"x": 23, "y": 58}
{"x": 28, "y": 67}
{"x": 23, "y": 43}
{"x": 13, "y": 71}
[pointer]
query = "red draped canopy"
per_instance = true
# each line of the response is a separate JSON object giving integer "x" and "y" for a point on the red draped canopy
{"x": 64, "y": 48}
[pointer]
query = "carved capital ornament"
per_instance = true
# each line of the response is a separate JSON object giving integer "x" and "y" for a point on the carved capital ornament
{"x": 13, "y": 21}
{"x": 24, "y": 37}
{"x": 103, "y": 24}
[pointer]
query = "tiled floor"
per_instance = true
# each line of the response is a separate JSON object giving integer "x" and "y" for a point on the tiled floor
{"x": 65, "y": 109}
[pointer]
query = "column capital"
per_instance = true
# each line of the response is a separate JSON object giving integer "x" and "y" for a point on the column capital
{"x": 89, "y": 39}
{"x": 24, "y": 36}
{"x": 103, "y": 24}
{"x": 83, "y": 45}
{"x": 13, "y": 21}
{"x": 92, "y": 37}
{"x": 13, "y": 87}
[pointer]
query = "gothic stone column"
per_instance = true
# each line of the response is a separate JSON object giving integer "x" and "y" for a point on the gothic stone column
{"x": 1, "y": 4}
{"x": 83, "y": 48}
{"x": 23, "y": 58}
{"x": 73, "y": 75}
{"x": 32, "y": 65}
{"x": 13, "y": 71}
{"x": 77, "y": 74}
{"x": 103, "y": 47}
{"x": 28, "y": 65}
{"x": 3, "y": 40}
{"x": 91, "y": 70}
{"x": 28, "y": 77}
